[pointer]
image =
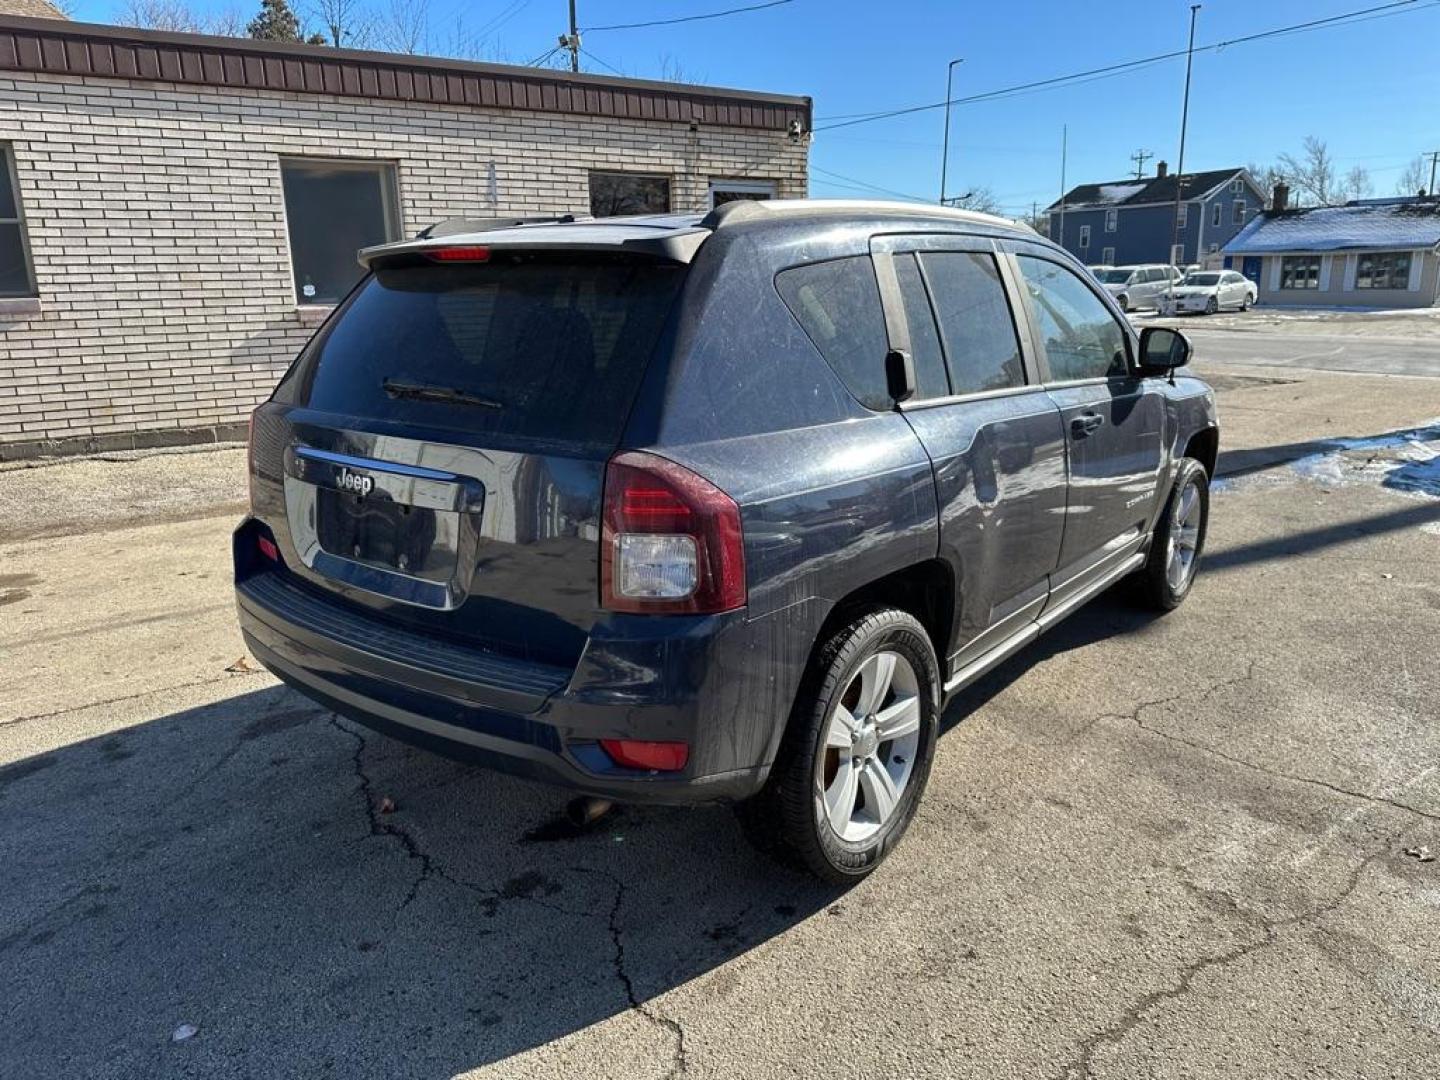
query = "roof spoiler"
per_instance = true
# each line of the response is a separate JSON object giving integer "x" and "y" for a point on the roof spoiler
{"x": 456, "y": 225}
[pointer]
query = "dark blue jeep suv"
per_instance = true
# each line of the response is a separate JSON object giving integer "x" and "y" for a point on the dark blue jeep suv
{"x": 712, "y": 508}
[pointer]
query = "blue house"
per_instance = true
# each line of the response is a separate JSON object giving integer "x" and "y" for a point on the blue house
{"x": 1133, "y": 220}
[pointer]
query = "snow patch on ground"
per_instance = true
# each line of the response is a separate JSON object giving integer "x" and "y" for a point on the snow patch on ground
{"x": 1407, "y": 462}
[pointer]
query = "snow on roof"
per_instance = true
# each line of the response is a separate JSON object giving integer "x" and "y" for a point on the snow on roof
{"x": 1114, "y": 193}
{"x": 1397, "y": 223}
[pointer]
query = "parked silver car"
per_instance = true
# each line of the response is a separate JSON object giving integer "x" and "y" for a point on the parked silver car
{"x": 1138, "y": 286}
{"x": 1209, "y": 291}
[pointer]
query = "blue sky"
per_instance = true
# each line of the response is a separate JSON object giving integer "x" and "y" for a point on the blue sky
{"x": 1370, "y": 89}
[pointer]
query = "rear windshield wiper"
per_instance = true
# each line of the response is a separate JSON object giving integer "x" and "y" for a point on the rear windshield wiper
{"x": 397, "y": 388}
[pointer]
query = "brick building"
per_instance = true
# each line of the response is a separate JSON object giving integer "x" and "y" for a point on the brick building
{"x": 178, "y": 212}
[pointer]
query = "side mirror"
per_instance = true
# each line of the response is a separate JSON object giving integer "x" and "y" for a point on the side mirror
{"x": 900, "y": 381}
{"x": 1162, "y": 350}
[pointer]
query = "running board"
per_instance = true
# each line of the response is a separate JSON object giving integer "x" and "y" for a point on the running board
{"x": 1031, "y": 630}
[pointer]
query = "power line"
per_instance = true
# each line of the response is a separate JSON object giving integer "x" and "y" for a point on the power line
{"x": 866, "y": 185}
{"x": 543, "y": 57}
{"x": 687, "y": 18}
{"x": 602, "y": 63}
{"x": 1393, "y": 8}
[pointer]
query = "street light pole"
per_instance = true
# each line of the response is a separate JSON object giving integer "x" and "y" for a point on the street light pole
{"x": 945, "y": 152}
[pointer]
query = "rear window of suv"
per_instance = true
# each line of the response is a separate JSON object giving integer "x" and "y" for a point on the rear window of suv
{"x": 540, "y": 347}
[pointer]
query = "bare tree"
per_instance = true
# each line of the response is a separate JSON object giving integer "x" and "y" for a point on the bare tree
{"x": 174, "y": 15}
{"x": 346, "y": 24}
{"x": 404, "y": 26}
{"x": 1356, "y": 184}
{"x": 1267, "y": 176}
{"x": 671, "y": 70}
{"x": 1415, "y": 178}
{"x": 981, "y": 199}
{"x": 1312, "y": 175}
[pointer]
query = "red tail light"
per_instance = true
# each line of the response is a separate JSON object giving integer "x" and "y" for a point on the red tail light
{"x": 635, "y": 754}
{"x": 267, "y": 548}
{"x": 671, "y": 540}
{"x": 465, "y": 253}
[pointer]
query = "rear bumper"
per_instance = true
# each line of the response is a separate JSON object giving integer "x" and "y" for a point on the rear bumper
{"x": 712, "y": 682}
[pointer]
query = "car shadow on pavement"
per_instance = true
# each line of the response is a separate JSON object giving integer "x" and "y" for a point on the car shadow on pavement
{"x": 315, "y": 898}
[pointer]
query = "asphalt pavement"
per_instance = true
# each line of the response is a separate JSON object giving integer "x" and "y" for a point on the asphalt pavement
{"x": 1197, "y": 845}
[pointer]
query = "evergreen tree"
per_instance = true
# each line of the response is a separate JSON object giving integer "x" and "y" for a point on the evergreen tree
{"x": 276, "y": 22}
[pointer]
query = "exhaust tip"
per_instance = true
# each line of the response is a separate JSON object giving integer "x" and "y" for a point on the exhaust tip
{"x": 586, "y": 810}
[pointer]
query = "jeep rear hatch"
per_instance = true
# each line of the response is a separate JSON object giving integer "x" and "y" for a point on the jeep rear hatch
{"x": 441, "y": 443}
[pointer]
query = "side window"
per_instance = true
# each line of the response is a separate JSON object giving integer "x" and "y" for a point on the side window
{"x": 1082, "y": 339}
{"x": 15, "y": 276}
{"x": 838, "y": 305}
{"x": 976, "y": 325}
{"x": 924, "y": 341}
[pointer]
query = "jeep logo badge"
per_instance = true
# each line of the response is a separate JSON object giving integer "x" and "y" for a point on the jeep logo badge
{"x": 349, "y": 481}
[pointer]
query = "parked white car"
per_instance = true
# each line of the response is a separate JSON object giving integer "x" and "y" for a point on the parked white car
{"x": 1209, "y": 291}
{"x": 1138, "y": 286}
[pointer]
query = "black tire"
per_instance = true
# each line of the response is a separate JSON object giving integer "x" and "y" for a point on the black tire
{"x": 1212, "y": 306}
{"x": 1124, "y": 302}
{"x": 1155, "y": 586}
{"x": 1245, "y": 303}
{"x": 786, "y": 818}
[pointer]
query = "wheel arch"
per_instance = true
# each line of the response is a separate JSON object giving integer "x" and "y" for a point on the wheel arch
{"x": 1204, "y": 447}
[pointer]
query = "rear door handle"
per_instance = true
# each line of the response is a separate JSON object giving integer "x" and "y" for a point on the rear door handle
{"x": 1084, "y": 425}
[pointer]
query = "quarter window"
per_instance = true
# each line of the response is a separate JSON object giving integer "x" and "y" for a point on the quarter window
{"x": 838, "y": 305}
{"x": 930, "y": 377}
{"x": 333, "y": 209}
{"x": 15, "y": 276}
{"x": 1300, "y": 272}
{"x": 1383, "y": 270}
{"x": 615, "y": 194}
{"x": 1082, "y": 339}
{"x": 976, "y": 325}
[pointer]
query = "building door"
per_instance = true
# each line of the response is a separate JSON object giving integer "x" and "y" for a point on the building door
{"x": 1250, "y": 267}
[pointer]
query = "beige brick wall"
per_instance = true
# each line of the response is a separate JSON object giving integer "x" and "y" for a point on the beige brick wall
{"x": 157, "y": 229}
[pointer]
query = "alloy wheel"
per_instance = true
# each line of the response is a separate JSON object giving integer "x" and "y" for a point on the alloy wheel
{"x": 871, "y": 741}
{"x": 1184, "y": 539}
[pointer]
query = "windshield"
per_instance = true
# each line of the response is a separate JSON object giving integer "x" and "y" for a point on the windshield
{"x": 1201, "y": 279}
{"x": 550, "y": 348}
{"x": 1114, "y": 277}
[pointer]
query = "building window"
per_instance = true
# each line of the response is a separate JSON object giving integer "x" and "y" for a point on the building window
{"x": 1111, "y": 220}
{"x": 1383, "y": 270}
{"x": 1237, "y": 186}
{"x": 15, "y": 276}
{"x": 1107, "y": 256}
{"x": 1215, "y": 211}
{"x": 1214, "y": 249}
{"x": 1300, "y": 272}
{"x": 1183, "y": 217}
{"x": 1084, "y": 236}
{"x": 1237, "y": 212}
{"x": 723, "y": 191}
{"x": 619, "y": 194}
{"x": 333, "y": 209}
{"x": 1177, "y": 254}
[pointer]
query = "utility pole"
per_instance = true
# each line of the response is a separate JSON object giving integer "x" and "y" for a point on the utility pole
{"x": 1434, "y": 157}
{"x": 945, "y": 150}
{"x": 1177, "y": 239}
{"x": 1139, "y": 157}
{"x": 1064, "y": 146}
{"x": 571, "y": 40}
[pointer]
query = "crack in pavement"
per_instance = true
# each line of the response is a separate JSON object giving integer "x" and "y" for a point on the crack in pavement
{"x": 431, "y": 868}
{"x": 1080, "y": 1067}
{"x": 1279, "y": 774}
{"x": 679, "y": 1064}
{"x": 16, "y": 720}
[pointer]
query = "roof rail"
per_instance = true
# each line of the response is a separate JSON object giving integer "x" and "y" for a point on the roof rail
{"x": 455, "y": 225}
{"x": 733, "y": 212}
